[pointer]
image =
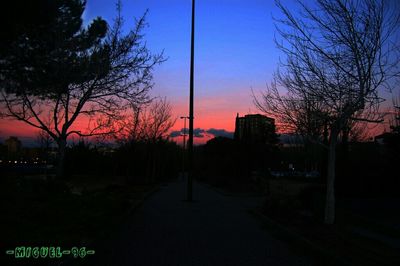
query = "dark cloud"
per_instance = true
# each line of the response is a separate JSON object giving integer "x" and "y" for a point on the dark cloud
{"x": 201, "y": 133}
{"x": 179, "y": 133}
{"x": 198, "y": 132}
{"x": 175, "y": 134}
{"x": 220, "y": 133}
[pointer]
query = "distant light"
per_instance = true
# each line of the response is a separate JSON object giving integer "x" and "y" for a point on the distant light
{"x": 1, "y": 161}
{"x": 15, "y": 161}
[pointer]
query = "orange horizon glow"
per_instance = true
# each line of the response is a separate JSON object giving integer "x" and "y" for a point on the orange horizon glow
{"x": 205, "y": 120}
{"x": 218, "y": 112}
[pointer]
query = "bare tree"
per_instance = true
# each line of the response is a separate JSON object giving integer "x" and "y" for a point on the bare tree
{"x": 149, "y": 122}
{"x": 148, "y": 127}
{"x": 116, "y": 73}
{"x": 157, "y": 120}
{"x": 359, "y": 131}
{"x": 394, "y": 120}
{"x": 339, "y": 54}
{"x": 44, "y": 140}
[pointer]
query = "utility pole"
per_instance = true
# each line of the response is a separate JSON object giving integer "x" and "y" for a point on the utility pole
{"x": 190, "y": 144}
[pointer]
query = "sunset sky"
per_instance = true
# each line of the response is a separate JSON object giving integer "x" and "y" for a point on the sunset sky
{"x": 234, "y": 53}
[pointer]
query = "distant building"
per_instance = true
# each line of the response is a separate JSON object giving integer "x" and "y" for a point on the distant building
{"x": 13, "y": 145}
{"x": 255, "y": 128}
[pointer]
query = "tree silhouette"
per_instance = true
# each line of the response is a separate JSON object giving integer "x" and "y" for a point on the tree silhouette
{"x": 69, "y": 71}
{"x": 45, "y": 48}
{"x": 395, "y": 119}
{"x": 157, "y": 120}
{"x": 149, "y": 122}
{"x": 149, "y": 127}
{"x": 339, "y": 54}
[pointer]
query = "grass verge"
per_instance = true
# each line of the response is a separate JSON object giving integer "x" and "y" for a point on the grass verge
{"x": 42, "y": 213}
{"x": 331, "y": 245}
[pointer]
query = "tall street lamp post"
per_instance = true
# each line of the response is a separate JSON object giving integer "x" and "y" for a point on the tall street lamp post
{"x": 190, "y": 143}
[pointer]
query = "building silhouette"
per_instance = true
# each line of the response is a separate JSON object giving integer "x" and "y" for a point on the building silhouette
{"x": 13, "y": 145}
{"x": 255, "y": 128}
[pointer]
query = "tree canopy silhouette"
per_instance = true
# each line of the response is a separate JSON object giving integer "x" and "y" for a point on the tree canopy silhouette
{"x": 57, "y": 70}
{"x": 339, "y": 55}
{"x": 45, "y": 48}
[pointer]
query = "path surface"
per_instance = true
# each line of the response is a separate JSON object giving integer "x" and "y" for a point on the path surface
{"x": 213, "y": 230}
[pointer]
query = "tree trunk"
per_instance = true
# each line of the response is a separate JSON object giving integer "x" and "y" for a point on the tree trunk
{"x": 330, "y": 184}
{"x": 345, "y": 144}
{"x": 62, "y": 144}
{"x": 343, "y": 169}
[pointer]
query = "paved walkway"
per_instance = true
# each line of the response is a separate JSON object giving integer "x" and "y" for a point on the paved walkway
{"x": 213, "y": 230}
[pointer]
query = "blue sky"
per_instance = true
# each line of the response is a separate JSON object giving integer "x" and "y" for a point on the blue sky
{"x": 234, "y": 51}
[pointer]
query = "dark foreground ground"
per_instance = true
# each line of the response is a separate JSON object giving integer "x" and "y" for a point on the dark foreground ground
{"x": 212, "y": 230}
